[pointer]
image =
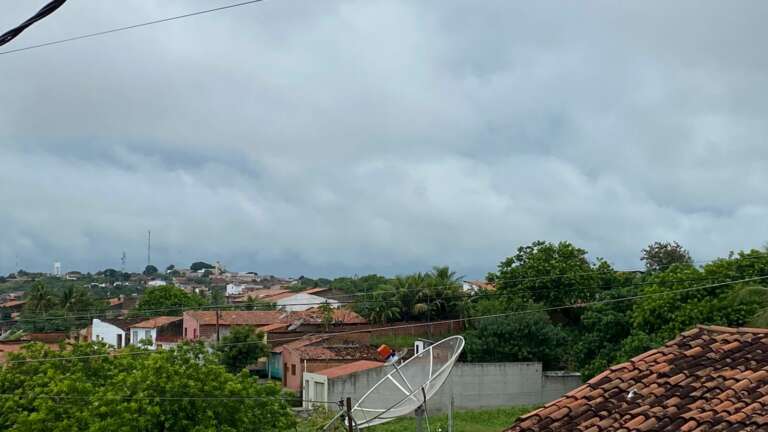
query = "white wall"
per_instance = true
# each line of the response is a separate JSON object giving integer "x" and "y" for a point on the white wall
{"x": 139, "y": 334}
{"x": 474, "y": 385}
{"x": 234, "y": 289}
{"x": 106, "y": 332}
{"x": 303, "y": 301}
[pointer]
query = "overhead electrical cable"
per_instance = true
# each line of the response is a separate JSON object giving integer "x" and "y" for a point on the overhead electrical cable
{"x": 132, "y": 26}
{"x": 42, "y": 13}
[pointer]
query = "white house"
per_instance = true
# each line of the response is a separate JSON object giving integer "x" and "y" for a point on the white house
{"x": 234, "y": 289}
{"x": 162, "y": 332}
{"x": 108, "y": 333}
{"x": 301, "y": 301}
{"x": 156, "y": 283}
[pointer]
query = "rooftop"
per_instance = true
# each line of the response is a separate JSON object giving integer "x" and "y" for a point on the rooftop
{"x": 349, "y": 368}
{"x": 156, "y": 322}
{"x": 708, "y": 379}
{"x": 255, "y": 318}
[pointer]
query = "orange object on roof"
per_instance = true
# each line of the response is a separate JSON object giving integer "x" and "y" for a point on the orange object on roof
{"x": 384, "y": 352}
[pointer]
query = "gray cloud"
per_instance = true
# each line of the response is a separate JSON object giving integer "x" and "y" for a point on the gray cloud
{"x": 341, "y": 136}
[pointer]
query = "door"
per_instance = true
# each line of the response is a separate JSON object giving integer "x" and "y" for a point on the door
{"x": 119, "y": 341}
{"x": 285, "y": 374}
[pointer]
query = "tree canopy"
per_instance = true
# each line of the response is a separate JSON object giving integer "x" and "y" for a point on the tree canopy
{"x": 176, "y": 390}
{"x": 200, "y": 265}
{"x": 166, "y": 300}
{"x": 242, "y": 347}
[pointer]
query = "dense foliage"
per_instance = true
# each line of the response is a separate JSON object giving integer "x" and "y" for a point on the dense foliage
{"x": 182, "y": 389}
{"x": 242, "y": 347}
{"x": 620, "y": 314}
{"x": 166, "y": 300}
{"x": 421, "y": 296}
{"x": 50, "y": 310}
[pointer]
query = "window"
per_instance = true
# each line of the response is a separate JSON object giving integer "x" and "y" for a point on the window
{"x": 148, "y": 334}
{"x": 293, "y": 369}
{"x": 135, "y": 336}
{"x": 185, "y": 332}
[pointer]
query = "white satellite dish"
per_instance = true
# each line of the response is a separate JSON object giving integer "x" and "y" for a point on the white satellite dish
{"x": 409, "y": 386}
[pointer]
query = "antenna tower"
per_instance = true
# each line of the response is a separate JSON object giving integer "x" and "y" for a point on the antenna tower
{"x": 149, "y": 247}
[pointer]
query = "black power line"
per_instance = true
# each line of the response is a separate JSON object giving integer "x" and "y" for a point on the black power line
{"x": 42, "y": 13}
{"x": 129, "y": 27}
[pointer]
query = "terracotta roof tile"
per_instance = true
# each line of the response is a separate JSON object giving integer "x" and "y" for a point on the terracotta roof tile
{"x": 708, "y": 379}
{"x": 254, "y": 318}
{"x": 156, "y": 322}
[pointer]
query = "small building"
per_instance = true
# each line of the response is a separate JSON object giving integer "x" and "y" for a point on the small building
{"x": 207, "y": 324}
{"x": 158, "y": 332}
{"x": 316, "y": 384}
{"x": 476, "y": 286}
{"x": 157, "y": 283}
{"x": 316, "y": 353}
{"x": 301, "y": 301}
{"x": 111, "y": 332}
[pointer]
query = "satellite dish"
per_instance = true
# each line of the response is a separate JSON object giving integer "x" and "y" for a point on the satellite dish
{"x": 408, "y": 386}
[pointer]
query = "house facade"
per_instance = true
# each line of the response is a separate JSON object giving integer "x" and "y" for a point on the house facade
{"x": 108, "y": 332}
{"x": 159, "y": 332}
{"x": 207, "y": 325}
{"x": 316, "y": 353}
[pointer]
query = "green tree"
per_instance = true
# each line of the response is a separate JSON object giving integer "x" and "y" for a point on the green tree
{"x": 327, "y": 312}
{"x": 662, "y": 255}
{"x": 150, "y": 270}
{"x": 170, "y": 390}
{"x": 200, "y": 265}
{"x": 40, "y": 299}
{"x": 166, "y": 300}
{"x": 380, "y": 307}
{"x": 550, "y": 274}
{"x": 528, "y": 335}
{"x": 242, "y": 347}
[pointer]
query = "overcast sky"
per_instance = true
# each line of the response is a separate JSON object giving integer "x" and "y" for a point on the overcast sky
{"x": 338, "y": 137}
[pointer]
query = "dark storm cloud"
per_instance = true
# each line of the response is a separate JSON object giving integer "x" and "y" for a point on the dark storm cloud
{"x": 344, "y": 136}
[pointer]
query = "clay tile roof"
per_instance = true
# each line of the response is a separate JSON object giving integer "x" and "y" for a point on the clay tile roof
{"x": 254, "y": 318}
{"x": 350, "y": 368}
{"x": 315, "y": 290}
{"x": 13, "y": 303}
{"x": 708, "y": 379}
{"x": 156, "y": 322}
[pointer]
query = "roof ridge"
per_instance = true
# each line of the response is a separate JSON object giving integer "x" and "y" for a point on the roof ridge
{"x": 722, "y": 329}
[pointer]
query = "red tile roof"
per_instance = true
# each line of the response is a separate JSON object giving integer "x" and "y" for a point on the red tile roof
{"x": 255, "y": 318}
{"x": 340, "y": 315}
{"x": 349, "y": 368}
{"x": 315, "y": 290}
{"x": 708, "y": 379}
{"x": 272, "y": 327}
{"x": 306, "y": 340}
{"x": 13, "y": 303}
{"x": 156, "y": 322}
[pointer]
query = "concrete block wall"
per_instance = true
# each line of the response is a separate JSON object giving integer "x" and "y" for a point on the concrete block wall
{"x": 474, "y": 385}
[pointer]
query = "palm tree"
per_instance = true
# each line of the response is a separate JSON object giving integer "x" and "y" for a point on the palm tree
{"x": 443, "y": 291}
{"x": 381, "y": 308}
{"x": 40, "y": 299}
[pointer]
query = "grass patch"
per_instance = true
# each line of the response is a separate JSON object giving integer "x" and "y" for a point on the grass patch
{"x": 490, "y": 420}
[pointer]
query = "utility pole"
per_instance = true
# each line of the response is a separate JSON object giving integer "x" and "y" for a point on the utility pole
{"x": 349, "y": 415}
{"x": 218, "y": 334}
